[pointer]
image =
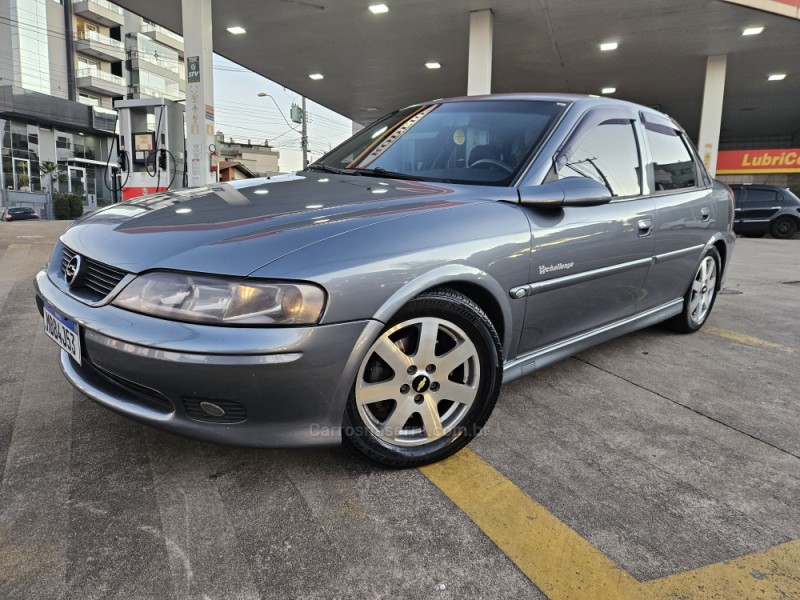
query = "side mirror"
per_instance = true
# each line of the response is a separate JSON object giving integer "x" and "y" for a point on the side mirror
{"x": 570, "y": 191}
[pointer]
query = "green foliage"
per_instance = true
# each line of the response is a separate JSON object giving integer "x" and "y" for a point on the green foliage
{"x": 52, "y": 172}
{"x": 67, "y": 206}
{"x": 61, "y": 205}
{"x": 23, "y": 179}
{"x": 75, "y": 206}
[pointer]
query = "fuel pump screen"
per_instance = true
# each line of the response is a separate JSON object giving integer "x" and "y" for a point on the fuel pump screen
{"x": 143, "y": 144}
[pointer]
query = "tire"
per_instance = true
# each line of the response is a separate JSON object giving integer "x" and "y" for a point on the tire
{"x": 427, "y": 385}
{"x": 783, "y": 228}
{"x": 700, "y": 297}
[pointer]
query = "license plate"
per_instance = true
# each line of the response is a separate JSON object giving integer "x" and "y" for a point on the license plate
{"x": 63, "y": 332}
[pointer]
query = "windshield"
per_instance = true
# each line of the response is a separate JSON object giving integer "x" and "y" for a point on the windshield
{"x": 481, "y": 142}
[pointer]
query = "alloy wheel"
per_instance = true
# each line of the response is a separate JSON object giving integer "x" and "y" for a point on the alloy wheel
{"x": 417, "y": 382}
{"x": 704, "y": 287}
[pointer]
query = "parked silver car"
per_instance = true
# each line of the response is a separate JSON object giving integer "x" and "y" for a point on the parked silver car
{"x": 382, "y": 295}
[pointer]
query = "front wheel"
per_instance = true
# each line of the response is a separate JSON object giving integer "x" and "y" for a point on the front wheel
{"x": 700, "y": 297}
{"x": 427, "y": 385}
{"x": 783, "y": 228}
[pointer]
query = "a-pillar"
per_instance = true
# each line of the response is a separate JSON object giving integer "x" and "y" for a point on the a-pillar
{"x": 711, "y": 116}
{"x": 479, "y": 73}
{"x": 198, "y": 48}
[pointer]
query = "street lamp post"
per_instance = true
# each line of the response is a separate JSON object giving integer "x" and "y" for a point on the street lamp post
{"x": 304, "y": 136}
{"x": 304, "y": 129}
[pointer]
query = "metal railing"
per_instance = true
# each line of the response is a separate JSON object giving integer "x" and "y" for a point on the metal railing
{"x": 86, "y": 72}
{"x": 148, "y": 26}
{"x": 104, "y": 3}
{"x": 170, "y": 65}
{"x": 94, "y": 36}
{"x": 154, "y": 93}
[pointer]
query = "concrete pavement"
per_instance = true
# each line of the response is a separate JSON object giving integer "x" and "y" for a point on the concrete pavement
{"x": 664, "y": 452}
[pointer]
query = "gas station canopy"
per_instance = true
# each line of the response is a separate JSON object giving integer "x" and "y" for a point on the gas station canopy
{"x": 374, "y": 63}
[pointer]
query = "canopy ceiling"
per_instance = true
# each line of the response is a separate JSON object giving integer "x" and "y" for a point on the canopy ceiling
{"x": 377, "y": 61}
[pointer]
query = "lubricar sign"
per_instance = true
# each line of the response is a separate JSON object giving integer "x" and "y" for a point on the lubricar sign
{"x": 773, "y": 160}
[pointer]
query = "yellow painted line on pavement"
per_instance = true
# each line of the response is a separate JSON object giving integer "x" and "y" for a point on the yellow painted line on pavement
{"x": 747, "y": 340}
{"x": 773, "y": 573}
{"x": 567, "y": 567}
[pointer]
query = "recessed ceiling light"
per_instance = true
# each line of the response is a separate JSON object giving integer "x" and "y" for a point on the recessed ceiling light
{"x": 378, "y": 9}
{"x": 261, "y": 192}
{"x": 433, "y": 65}
{"x": 753, "y": 30}
{"x": 606, "y": 46}
{"x": 183, "y": 211}
{"x": 237, "y": 30}
{"x": 380, "y": 191}
{"x": 312, "y": 206}
{"x": 369, "y": 109}
{"x": 608, "y": 90}
{"x": 317, "y": 76}
{"x": 776, "y": 77}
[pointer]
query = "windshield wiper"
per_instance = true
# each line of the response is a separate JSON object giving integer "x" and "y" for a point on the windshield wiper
{"x": 318, "y": 166}
{"x": 381, "y": 172}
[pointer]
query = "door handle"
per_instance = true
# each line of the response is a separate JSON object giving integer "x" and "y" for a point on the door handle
{"x": 645, "y": 227}
{"x": 705, "y": 213}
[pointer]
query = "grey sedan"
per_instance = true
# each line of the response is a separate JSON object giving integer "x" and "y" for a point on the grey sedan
{"x": 382, "y": 295}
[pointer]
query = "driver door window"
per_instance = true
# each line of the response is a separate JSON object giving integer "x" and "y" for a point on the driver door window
{"x": 608, "y": 154}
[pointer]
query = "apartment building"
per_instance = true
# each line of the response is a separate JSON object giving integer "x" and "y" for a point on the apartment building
{"x": 63, "y": 63}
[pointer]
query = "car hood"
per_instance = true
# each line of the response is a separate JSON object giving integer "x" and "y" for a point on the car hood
{"x": 235, "y": 228}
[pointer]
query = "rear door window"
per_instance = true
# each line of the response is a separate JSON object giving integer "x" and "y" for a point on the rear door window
{"x": 673, "y": 165}
{"x": 757, "y": 196}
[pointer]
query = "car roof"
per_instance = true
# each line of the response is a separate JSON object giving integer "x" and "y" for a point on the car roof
{"x": 20, "y": 209}
{"x": 585, "y": 100}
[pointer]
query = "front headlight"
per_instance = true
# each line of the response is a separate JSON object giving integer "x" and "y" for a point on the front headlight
{"x": 201, "y": 299}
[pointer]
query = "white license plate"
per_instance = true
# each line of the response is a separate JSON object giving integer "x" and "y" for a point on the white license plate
{"x": 63, "y": 332}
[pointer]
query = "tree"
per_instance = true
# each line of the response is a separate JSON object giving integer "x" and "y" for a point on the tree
{"x": 52, "y": 173}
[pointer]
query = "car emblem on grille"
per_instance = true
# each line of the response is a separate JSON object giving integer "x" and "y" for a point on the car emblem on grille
{"x": 73, "y": 270}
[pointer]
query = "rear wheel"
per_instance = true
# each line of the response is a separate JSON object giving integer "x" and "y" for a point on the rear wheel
{"x": 428, "y": 383}
{"x": 783, "y": 228}
{"x": 700, "y": 297}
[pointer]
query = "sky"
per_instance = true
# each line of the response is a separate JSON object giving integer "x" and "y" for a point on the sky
{"x": 242, "y": 115}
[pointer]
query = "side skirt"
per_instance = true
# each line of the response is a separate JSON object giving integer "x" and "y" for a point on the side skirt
{"x": 538, "y": 359}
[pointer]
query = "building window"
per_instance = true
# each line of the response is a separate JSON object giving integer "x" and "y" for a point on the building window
{"x": 87, "y": 63}
{"x": 88, "y": 99}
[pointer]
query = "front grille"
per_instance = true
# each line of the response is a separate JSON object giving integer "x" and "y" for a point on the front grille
{"x": 97, "y": 277}
{"x": 234, "y": 412}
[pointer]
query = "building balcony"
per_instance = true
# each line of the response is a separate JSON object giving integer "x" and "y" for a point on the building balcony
{"x": 163, "y": 36}
{"x": 101, "y": 82}
{"x": 99, "y": 11}
{"x": 99, "y": 46}
{"x": 141, "y": 91}
{"x": 168, "y": 69}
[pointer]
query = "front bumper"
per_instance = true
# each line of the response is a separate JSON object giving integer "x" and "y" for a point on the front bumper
{"x": 283, "y": 387}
